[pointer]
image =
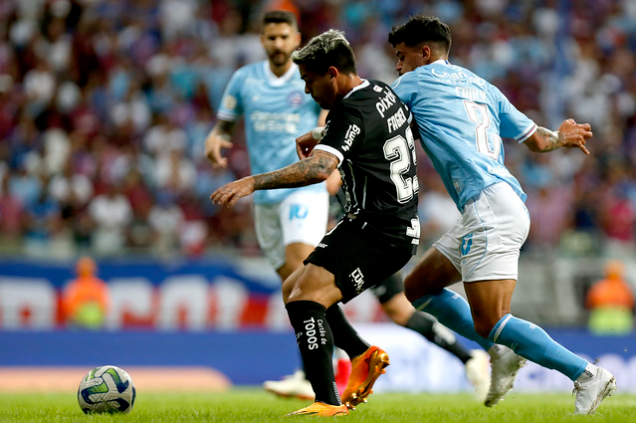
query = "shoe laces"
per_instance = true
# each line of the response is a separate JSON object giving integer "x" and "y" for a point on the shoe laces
{"x": 578, "y": 387}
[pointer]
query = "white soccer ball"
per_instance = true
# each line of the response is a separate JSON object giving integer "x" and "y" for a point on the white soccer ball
{"x": 106, "y": 389}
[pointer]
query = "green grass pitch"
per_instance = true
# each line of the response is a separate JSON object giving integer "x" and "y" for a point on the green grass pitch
{"x": 245, "y": 405}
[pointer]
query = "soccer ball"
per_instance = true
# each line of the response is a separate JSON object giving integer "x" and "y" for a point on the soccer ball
{"x": 106, "y": 389}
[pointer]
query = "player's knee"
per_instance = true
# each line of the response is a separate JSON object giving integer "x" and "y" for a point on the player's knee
{"x": 287, "y": 290}
{"x": 483, "y": 327}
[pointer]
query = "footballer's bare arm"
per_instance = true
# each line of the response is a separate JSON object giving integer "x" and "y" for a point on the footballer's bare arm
{"x": 219, "y": 138}
{"x": 315, "y": 168}
{"x": 569, "y": 135}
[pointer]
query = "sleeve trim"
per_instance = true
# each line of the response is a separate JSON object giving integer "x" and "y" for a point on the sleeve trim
{"x": 330, "y": 149}
{"x": 526, "y": 134}
{"x": 231, "y": 117}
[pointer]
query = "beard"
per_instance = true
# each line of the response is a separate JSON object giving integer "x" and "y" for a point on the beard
{"x": 279, "y": 58}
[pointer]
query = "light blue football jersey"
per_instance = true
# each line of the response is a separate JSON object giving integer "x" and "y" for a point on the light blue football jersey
{"x": 276, "y": 111}
{"x": 461, "y": 119}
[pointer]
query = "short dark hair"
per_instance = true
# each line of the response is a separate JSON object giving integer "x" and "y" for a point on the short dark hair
{"x": 420, "y": 29}
{"x": 280, "y": 16}
{"x": 330, "y": 48}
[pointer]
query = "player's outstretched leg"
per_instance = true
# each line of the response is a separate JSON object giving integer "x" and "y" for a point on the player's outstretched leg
{"x": 592, "y": 383}
{"x": 453, "y": 311}
{"x": 365, "y": 370}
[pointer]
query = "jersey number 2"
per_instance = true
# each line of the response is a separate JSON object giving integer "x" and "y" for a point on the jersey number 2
{"x": 399, "y": 151}
{"x": 478, "y": 114}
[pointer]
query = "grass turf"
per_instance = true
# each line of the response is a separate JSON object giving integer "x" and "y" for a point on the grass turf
{"x": 242, "y": 405}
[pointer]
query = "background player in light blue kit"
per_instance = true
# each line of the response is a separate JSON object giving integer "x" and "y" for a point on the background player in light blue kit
{"x": 461, "y": 119}
{"x": 271, "y": 98}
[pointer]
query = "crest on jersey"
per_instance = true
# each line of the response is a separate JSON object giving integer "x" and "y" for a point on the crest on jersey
{"x": 229, "y": 102}
{"x": 295, "y": 98}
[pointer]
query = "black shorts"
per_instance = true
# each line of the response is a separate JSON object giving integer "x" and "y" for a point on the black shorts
{"x": 360, "y": 256}
{"x": 388, "y": 288}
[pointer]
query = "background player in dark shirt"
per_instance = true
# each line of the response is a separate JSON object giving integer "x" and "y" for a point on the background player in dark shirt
{"x": 368, "y": 138}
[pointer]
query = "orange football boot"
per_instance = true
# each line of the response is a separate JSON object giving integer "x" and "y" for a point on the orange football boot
{"x": 365, "y": 370}
{"x": 320, "y": 409}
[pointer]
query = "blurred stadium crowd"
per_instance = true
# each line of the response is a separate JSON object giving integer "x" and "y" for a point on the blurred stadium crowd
{"x": 105, "y": 104}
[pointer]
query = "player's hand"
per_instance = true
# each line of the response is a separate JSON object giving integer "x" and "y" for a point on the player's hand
{"x": 229, "y": 194}
{"x": 213, "y": 145}
{"x": 305, "y": 144}
{"x": 575, "y": 135}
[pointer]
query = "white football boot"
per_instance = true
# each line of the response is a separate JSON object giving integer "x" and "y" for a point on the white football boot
{"x": 504, "y": 368}
{"x": 592, "y": 391}
{"x": 295, "y": 385}
{"x": 478, "y": 373}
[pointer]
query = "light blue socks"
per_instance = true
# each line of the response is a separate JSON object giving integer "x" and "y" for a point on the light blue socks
{"x": 530, "y": 341}
{"x": 453, "y": 311}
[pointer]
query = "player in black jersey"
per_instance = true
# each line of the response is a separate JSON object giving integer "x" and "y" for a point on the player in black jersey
{"x": 368, "y": 138}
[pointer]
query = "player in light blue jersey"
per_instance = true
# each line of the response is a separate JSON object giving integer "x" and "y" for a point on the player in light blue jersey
{"x": 462, "y": 119}
{"x": 271, "y": 98}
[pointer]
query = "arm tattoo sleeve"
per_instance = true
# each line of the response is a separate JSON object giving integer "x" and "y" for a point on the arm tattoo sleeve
{"x": 551, "y": 139}
{"x": 315, "y": 168}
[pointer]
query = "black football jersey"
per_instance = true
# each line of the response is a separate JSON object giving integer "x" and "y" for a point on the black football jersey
{"x": 369, "y": 132}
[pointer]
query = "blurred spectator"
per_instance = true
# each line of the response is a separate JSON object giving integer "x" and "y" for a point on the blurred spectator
{"x": 110, "y": 86}
{"x": 86, "y": 299}
{"x": 42, "y": 219}
{"x": 112, "y": 214}
{"x": 551, "y": 207}
{"x": 166, "y": 219}
{"x": 611, "y": 303}
{"x": 11, "y": 212}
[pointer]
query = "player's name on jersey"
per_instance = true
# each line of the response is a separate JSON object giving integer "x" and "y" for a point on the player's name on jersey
{"x": 471, "y": 93}
{"x": 396, "y": 121}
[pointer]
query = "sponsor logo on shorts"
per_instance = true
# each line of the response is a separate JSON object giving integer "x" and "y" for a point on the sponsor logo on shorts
{"x": 467, "y": 242}
{"x": 322, "y": 245}
{"x": 358, "y": 280}
{"x": 298, "y": 211}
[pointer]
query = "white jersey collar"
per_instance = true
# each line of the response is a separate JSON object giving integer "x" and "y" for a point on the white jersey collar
{"x": 364, "y": 84}
{"x": 276, "y": 81}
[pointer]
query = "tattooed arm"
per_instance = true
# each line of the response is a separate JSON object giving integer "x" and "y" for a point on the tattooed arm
{"x": 312, "y": 170}
{"x": 569, "y": 135}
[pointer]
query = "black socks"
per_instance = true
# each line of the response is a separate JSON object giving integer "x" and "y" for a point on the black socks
{"x": 438, "y": 334}
{"x": 344, "y": 335}
{"x": 315, "y": 342}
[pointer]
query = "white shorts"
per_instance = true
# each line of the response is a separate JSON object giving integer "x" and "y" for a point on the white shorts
{"x": 302, "y": 217}
{"x": 485, "y": 243}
